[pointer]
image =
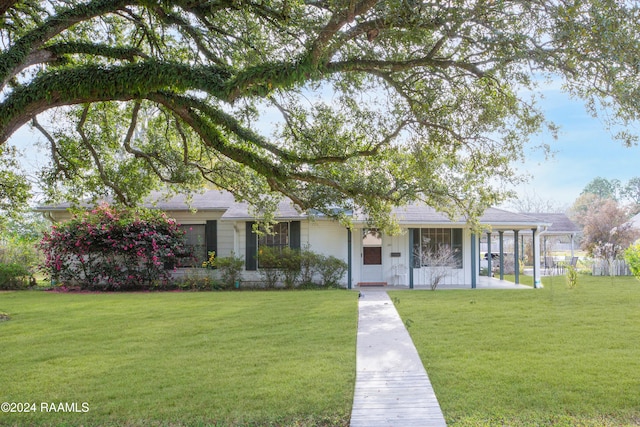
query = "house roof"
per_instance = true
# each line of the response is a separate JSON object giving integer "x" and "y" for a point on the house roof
{"x": 419, "y": 213}
{"x": 209, "y": 200}
{"x": 634, "y": 222}
{"x": 503, "y": 218}
{"x": 240, "y": 212}
{"x": 559, "y": 223}
{"x": 414, "y": 214}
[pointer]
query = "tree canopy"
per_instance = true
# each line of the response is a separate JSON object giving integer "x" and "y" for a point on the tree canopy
{"x": 604, "y": 188}
{"x": 332, "y": 103}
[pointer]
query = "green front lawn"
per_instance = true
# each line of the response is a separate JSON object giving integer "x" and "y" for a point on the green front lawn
{"x": 549, "y": 356}
{"x": 228, "y": 358}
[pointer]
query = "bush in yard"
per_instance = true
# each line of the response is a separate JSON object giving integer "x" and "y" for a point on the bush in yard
{"x": 279, "y": 265}
{"x": 290, "y": 265}
{"x": 632, "y": 257}
{"x": 229, "y": 269}
{"x": 331, "y": 270}
{"x": 269, "y": 266}
{"x": 309, "y": 261}
{"x": 113, "y": 249}
{"x": 14, "y": 276}
{"x": 293, "y": 267}
{"x": 572, "y": 277}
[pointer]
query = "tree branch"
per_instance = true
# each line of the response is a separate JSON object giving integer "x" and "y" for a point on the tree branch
{"x": 14, "y": 57}
{"x": 94, "y": 84}
{"x": 55, "y": 154}
{"x": 96, "y": 159}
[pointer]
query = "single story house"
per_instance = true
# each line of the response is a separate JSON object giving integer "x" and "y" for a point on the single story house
{"x": 214, "y": 221}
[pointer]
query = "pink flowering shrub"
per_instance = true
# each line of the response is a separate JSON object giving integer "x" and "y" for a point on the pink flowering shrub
{"x": 113, "y": 249}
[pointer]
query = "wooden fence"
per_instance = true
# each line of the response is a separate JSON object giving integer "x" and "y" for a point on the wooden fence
{"x": 603, "y": 267}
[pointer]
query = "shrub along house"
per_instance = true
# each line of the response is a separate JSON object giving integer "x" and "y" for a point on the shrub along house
{"x": 430, "y": 248}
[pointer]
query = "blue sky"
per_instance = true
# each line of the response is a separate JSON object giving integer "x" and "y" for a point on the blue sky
{"x": 584, "y": 150}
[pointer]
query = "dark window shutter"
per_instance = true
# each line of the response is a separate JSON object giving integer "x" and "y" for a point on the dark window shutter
{"x": 294, "y": 235}
{"x": 251, "y": 254}
{"x": 211, "y": 237}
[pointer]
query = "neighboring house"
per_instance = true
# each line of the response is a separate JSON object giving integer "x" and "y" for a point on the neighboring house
{"x": 559, "y": 236}
{"x": 213, "y": 221}
{"x": 634, "y": 222}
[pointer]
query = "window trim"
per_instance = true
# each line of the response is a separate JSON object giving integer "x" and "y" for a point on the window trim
{"x": 252, "y": 246}
{"x": 261, "y": 240}
{"x": 455, "y": 243}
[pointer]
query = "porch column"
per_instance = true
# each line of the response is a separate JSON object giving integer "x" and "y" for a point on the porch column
{"x": 349, "y": 260}
{"x": 501, "y": 245}
{"x": 411, "y": 258}
{"x": 534, "y": 248}
{"x": 516, "y": 257}
{"x": 473, "y": 261}
{"x": 535, "y": 242}
{"x": 489, "y": 253}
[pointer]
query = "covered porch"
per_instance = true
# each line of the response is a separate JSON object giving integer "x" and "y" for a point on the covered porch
{"x": 483, "y": 282}
{"x": 496, "y": 261}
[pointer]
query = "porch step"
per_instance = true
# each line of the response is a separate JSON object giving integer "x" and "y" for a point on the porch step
{"x": 372, "y": 283}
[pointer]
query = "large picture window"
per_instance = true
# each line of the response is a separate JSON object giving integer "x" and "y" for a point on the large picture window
{"x": 437, "y": 247}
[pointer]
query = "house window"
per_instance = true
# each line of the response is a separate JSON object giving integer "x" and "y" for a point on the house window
{"x": 277, "y": 240}
{"x": 437, "y": 247}
{"x": 284, "y": 234}
{"x": 200, "y": 239}
{"x": 196, "y": 243}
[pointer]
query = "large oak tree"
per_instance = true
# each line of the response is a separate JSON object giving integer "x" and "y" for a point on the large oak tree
{"x": 333, "y": 103}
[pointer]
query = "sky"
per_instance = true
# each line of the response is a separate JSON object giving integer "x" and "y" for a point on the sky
{"x": 583, "y": 150}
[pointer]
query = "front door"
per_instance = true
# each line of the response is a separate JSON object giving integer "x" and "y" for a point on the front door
{"x": 371, "y": 256}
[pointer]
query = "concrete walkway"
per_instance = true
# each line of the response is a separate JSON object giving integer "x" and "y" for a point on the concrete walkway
{"x": 392, "y": 386}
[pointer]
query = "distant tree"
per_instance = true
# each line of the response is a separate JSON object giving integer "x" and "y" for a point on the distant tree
{"x": 604, "y": 188}
{"x": 606, "y": 228}
{"x": 526, "y": 202}
{"x": 14, "y": 187}
{"x": 18, "y": 240}
{"x": 585, "y": 203}
{"x": 631, "y": 192}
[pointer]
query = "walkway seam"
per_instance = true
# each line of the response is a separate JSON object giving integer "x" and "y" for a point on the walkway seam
{"x": 392, "y": 385}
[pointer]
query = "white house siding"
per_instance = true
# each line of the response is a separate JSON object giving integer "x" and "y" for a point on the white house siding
{"x": 396, "y": 268}
{"x": 226, "y": 239}
{"x": 326, "y": 238}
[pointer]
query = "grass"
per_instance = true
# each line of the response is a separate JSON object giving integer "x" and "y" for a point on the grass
{"x": 177, "y": 359}
{"x": 545, "y": 357}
